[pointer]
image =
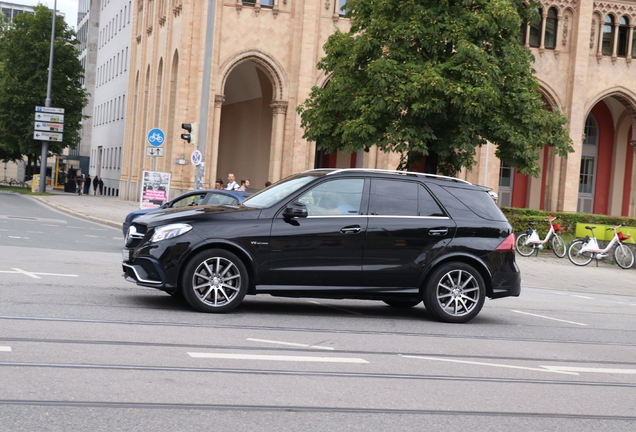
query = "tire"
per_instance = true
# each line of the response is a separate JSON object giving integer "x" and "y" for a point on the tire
{"x": 214, "y": 281}
{"x": 523, "y": 249}
{"x": 623, "y": 256}
{"x": 558, "y": 246}
{"x": 402, "y": 304}
{"x": 577, "y": 258}
{"x": 455, "y": 293}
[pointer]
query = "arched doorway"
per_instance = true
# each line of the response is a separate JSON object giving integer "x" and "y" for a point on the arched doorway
{"x": 245, "y": 135}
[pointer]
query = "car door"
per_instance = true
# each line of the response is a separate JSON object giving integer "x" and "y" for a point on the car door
{"x": 407, "y": 229}
{"x": 324, "y": 248}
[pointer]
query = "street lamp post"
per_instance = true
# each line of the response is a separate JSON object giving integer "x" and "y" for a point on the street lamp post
{"x": 47, "y": 103}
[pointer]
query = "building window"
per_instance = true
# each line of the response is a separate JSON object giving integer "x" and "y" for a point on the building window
{"x": 586, "y": 177}
{"x": 551, "y": 26}
{"x": 342, "y": 7}
{"x": 608, "y": 35}
{"x": 623, "y": 37}
{"x": 535, "y": 30}
{"x": 267, "y": 3}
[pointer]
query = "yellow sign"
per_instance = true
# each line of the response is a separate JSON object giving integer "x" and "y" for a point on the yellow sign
{"x": 35, "y": 183}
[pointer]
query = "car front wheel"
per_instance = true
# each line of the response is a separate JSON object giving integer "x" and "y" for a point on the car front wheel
{"x": 455, "y": 293}
{"x": 214, "y": 281}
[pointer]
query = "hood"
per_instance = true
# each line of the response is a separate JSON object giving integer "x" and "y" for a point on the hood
{"x": 193, "y": 214}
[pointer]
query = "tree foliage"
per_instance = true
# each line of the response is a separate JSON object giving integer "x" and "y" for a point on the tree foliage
{"x": 435, "y": 78}
{"x": 24, "y": 63}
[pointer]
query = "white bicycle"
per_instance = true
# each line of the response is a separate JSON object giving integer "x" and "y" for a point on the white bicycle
{"x": 583, "y": 251}
{"x": 529, "y": 242}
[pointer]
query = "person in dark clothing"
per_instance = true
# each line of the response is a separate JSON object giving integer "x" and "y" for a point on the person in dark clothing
{"x": 78, "y": 184}
{"x": 95, "y": 185}
{"x": 87, "y": 185}
{"x": 101, "y": 186}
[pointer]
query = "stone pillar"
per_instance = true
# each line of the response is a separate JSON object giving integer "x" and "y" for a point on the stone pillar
{"x": 615, "y": 40}
{"x": 213, "y": 159}
{"x": 279, "y": 111}
{"x": 576, "y": 109}
{"x": 628, "y": 57}
{"x": 544, "y": 18}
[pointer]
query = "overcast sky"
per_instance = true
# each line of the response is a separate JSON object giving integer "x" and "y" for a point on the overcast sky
{"x": 68, "y": 7}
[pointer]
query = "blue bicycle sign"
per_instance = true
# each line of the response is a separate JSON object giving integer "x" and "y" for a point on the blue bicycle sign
{"x": 156, "y": 137}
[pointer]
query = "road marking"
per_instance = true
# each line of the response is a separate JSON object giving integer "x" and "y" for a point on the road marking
{"x": 334, "y": 307}
{"x": 583, "y": 297}
{"x": 16, "y": 237}
{"x": 93, "y": 236}
{"x": 50, "y": 225}
{"x": 279, "y": 358}
{"x": 34, "y": 275}
{"x": 5, "y": 348}
{"x": 36, "y": 232}
{"x": 555, "y": 319}
{"x": 592, "y": 370}
{"x": 289, "y": 343}
{"x": 491, "y": 364}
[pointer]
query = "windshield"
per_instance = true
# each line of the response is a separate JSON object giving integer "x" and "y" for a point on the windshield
{"x": 277, "y": 192}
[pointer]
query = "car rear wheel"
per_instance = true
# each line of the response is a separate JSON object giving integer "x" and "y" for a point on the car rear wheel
{"x": 455, "y": 293}
{"x": 402, "y": 304}
{"x": 215, "y": 281}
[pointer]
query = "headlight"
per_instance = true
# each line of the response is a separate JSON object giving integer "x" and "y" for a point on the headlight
{"x": 170, "y": 231}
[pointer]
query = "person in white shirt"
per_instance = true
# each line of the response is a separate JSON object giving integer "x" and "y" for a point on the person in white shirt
{"x": 231, "y": 183}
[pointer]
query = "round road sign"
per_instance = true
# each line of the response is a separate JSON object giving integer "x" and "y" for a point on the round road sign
{"x": 156, "y": 137}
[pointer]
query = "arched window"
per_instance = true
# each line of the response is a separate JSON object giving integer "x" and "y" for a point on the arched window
{"x": 623, "y": 37}
{"x": 634, "y": 44}
{"x": 342, "y": 7}
{"x": 608, "y": 35}
{"x": 522, "y": 33}
{"x": 535, "y": 30}
{"x": 551, "y": 26}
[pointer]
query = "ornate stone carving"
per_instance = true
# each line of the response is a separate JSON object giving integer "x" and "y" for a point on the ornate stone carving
{"x": 257, "y": 9}
{"x": 566, "y": 19}
{"x": 335, "y": 18}
{"x": 239, "y": 6}
{"x": 149, "y": 30}
{"x": 218, "y": 101}
{"x": 275, "y": 11}
{"x": 138, "y": 38}
{"x": 592, "y": 32}
{"x": 279, "y": 107}
{"x": 327, "y": 4}
{"x": 176, "y": 11}
{"x": 162, "y": 21}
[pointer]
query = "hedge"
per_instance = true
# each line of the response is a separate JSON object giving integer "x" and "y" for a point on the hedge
{"x": 519, "y": 218}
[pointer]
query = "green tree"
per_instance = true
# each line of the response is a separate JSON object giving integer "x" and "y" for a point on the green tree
{"x": 24, "y": 63}
{"x": 433, "y": 78}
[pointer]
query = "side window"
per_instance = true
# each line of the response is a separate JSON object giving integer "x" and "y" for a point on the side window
{"x": 190, "y": 200}
{"x": 221, "y": 199}
{"x": 427, "y": 205}
{"x": 335, "y": 197}
{"x": 393, "y": 198}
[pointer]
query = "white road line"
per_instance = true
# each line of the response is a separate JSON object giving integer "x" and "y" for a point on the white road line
{"x": 279, "y": 358}
{"x": 15, "y": 237}
{"x": 554, "y": 319}
{"x": 592, "y": 370}
{"x": 333, "y": 307}
{"x": 5, "y": 348}
{"x": 490, "y": 364}
{"x": 289, "y": 343}
{"x": 36, "y": 232}
{"x": 34, "y": 275}
{"x": 583, "y": 297}
{"x": 93, "y": 236}
{"x": 50, "y": 225}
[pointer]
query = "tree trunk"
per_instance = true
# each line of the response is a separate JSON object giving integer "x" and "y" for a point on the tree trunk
{"x": 430, "y": 166}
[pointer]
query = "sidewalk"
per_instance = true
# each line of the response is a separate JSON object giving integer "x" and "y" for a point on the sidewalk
{"x": 107, "y": 210}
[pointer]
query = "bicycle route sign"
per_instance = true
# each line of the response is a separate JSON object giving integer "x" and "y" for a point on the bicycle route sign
{"x": 156, "y": 137}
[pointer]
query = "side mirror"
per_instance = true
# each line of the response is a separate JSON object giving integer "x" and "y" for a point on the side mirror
{"x": 295, "y": 210}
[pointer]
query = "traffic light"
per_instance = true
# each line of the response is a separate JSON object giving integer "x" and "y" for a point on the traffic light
{"x": 193, "y": 132}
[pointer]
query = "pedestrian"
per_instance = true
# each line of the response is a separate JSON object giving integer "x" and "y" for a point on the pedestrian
{"x": 101, "y": 185}
{"x": 218, "y": 184}
{"x": 245, "y": 183}
{"x": 231, "y": 183}
{"x": 268, "y": 183}
{"x": 78, "y": 184}
{"x": 87, "y": 185}
{"x": 95, "y": 185}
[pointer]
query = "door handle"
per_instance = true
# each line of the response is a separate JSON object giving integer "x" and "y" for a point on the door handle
{"x": 350, "y": 229}
{"x": 438, "y": 231}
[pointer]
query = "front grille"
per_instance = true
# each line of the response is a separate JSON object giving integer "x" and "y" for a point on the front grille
{"x": 136, "y": 235}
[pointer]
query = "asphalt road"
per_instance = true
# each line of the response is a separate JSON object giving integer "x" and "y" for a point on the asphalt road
{"x": 81, "y": 349}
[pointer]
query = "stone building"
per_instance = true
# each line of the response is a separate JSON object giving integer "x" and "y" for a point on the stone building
{"x": 240, "y": 68}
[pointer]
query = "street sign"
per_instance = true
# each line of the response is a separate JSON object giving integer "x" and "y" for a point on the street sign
{"x": 154, "y": 151}
{"x": 44, "y": 117}
{"x": 49, "y": 127}
{"x": 47, "y": 136}
{"x": 196, "y": 158}
{"x": 49, "y": 110}
{"x": 156, "y": 137}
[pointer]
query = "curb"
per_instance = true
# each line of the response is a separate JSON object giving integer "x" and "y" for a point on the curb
{"x": 77, "y": 214}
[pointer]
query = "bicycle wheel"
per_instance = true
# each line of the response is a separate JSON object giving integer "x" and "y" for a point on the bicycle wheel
{"x": 576, "y": 256}
{"x": 522, "y": 248}
{"x": 623, "y": 256}
{"x": 558, "y": 246}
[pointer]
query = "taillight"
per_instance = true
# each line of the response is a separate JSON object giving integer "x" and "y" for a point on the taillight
{"x": 508, "y": 245}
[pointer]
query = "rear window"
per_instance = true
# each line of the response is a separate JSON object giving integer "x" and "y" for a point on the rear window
{"x": 479, "y": 202}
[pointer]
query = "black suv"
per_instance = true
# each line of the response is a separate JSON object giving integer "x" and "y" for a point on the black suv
{"x": 394, "y": 236}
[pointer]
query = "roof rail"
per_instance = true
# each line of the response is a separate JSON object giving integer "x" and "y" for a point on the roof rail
{"x": 418, "y": 174}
